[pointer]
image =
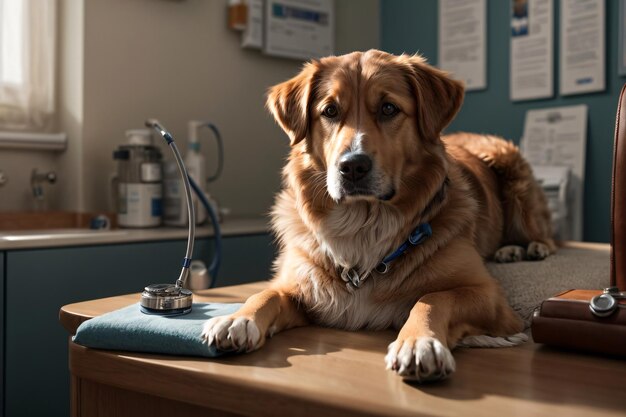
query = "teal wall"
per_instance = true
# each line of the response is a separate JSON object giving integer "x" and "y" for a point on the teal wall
{"x": 411, "y": 26}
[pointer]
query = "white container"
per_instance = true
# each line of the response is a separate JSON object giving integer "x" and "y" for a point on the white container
{"x": 175, "y": 204}
{"x": 138, "y": 182}
{"x": 139, "y": 205}
{"x": 196, "y": 167}
{"x": 174, "y": 201}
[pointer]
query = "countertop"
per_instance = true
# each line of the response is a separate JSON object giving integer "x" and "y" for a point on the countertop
{"x": 81, "y": 237}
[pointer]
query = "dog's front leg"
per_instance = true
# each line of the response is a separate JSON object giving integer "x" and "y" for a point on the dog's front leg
{"x": 262, "y": 315}
{"x": 422, "y": 349}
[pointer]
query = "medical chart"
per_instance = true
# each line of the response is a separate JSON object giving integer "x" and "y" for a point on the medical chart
{"x": 531, "y": 59}
{"x": 582, "y": 51}
{"x": 558, "y": 137}
{"x": 301, "y": 29}
{"x": 463, "y": 41}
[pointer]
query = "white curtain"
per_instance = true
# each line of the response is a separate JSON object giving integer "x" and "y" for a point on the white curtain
{"x": 27, "y": 64}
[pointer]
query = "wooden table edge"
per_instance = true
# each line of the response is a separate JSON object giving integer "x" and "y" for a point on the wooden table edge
{"x": 227, "y": 389}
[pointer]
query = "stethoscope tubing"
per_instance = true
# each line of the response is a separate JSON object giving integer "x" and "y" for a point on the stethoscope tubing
{"x": 184, "y": 273}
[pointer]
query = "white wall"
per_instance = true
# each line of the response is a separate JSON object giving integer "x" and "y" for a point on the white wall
{"x": 69, "y": 188}
{"x": 176, "y": 61}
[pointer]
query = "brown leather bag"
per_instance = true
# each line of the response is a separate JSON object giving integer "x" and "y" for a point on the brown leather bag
{"x": 618, "y": 198}
{"x": 566, "y": 320}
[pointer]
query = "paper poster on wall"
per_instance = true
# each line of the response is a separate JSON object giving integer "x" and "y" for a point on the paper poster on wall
{"x": 463, "y": 41}
{"x": 557, "y": 137}
{"x": 582, "y": 51}
{"x": 531, "y": 63}
{"x": 252, "y": 36}
{"x": 301, "y": 29}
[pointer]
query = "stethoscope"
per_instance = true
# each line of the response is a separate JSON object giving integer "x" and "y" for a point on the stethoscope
{"x": 172, "y": 299}
{"x": 605, "y": 304}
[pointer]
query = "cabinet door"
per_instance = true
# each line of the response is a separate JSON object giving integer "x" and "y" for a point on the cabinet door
{"x": 246, "y": 259}
{"x": 39, "y": 282}
{"x": 2, "y": 330}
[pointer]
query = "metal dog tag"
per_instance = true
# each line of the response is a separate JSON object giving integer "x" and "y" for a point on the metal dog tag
{"x": 354, "y": 277}
{"x": 351, "y": 276}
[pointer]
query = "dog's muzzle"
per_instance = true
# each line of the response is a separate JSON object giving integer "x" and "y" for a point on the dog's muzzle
{"x": 357, "y": 177}
{"x": 355, "y": 169}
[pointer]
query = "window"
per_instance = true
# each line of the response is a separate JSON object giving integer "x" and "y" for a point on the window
{"x": 27, "y": 60}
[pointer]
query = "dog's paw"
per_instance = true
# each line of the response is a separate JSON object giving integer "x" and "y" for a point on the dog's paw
{"x": 423, "y": 359}
{"x": 511, "y": 253}
{"x": 232, "y": 334}
{"x": 537, "y": 251}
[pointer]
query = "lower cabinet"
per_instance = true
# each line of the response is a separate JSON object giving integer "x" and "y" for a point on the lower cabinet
{"x": 39, "y": 281}
{"x": 246, "y": 259}
{"x": 2, "y": 284}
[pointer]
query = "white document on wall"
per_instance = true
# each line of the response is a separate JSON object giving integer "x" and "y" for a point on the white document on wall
{"x": 558, "y": 137}
{"x": 252, "y": 36}
{"x": 532, "y": 44}
{"x": 463, "y": 41}
{"x": 582, "y": 52}
{"x": 301, "y": 29}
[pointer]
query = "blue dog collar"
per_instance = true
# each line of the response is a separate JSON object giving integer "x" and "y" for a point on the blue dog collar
{"x": 417, "y": 237}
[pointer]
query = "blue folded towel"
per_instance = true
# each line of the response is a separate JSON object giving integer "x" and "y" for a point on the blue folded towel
{"x": 131, "y": 330}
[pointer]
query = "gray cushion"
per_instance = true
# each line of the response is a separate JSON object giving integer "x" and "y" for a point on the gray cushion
{"x": 528, "y": 283}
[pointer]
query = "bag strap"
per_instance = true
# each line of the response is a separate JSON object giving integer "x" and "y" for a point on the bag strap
{"x": 618, "y": 197}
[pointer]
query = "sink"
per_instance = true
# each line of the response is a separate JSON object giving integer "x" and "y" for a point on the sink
{"x": 27, "y": 230}
{"x": 48, "y": 220}
{"x": 27, "y": 226}
{"x": 19, "y": 236}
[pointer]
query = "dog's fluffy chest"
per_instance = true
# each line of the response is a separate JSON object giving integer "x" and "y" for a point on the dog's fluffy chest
{"x": 331, "y": 304}
{"x": 358, "y": 236}
{"x": 354, "y": 236}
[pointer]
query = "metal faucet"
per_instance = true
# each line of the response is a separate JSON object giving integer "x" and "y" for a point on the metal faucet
{"x": 37, "y": 179}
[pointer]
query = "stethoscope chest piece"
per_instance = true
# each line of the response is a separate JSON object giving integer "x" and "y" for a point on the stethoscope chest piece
{"x": 605, "y": 304}
{"x": 166, "y": 300}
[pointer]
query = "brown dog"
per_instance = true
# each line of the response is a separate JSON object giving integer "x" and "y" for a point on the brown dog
{"x": 368, "y": 169}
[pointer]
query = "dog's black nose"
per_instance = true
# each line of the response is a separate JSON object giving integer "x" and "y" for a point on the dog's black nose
{"x": 354, "y": 166}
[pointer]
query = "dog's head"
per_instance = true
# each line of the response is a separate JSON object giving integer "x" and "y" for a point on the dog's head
{"x": 369, "y": 121}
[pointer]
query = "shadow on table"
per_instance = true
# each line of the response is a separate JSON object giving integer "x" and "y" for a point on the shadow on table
{"x": 543, "y": 375}
{"x": 310, "y": 341}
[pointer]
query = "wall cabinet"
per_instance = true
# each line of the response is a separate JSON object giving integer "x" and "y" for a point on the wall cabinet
{"x": 40, "y": 281}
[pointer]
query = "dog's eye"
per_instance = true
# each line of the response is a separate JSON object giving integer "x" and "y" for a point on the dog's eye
{"x": 389, "y": 110}
{"x": 330, "y": 111}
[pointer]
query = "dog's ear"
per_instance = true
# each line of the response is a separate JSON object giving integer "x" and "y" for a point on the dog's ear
{"x": 438, "y": 96}
{"x": 289, "y": 102}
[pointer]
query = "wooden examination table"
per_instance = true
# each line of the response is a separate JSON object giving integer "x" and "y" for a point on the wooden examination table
{"x": 322, "y": 372}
